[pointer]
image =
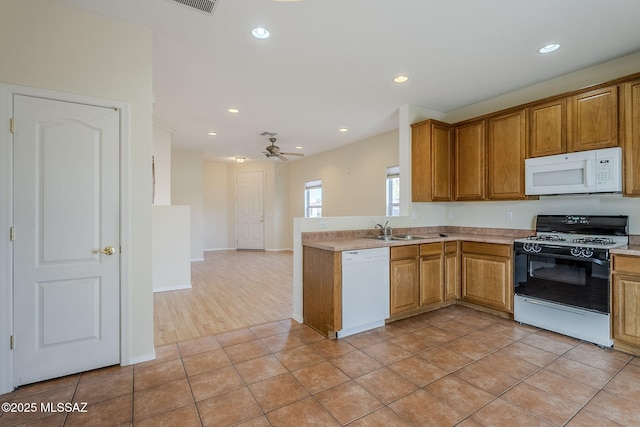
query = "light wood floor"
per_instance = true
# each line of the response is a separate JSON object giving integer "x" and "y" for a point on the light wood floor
{"x": 231, "y": 290}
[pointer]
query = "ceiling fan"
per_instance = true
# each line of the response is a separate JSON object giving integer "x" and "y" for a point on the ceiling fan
{"x": 273, "y": 151}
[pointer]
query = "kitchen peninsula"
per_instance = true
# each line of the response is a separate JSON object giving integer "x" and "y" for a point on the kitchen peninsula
{"x": 438, "y": 267}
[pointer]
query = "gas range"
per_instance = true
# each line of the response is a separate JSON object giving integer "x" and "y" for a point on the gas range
{"x": 561, "y": 275}
{"x": 576, "y": 235}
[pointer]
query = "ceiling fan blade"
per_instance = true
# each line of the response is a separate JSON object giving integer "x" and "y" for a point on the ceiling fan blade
{"x": 281, "y": 157}
{"x": 293, "y": 154}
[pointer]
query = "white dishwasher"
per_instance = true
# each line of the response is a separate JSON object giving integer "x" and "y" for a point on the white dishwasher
{"x": 365, "y": 290}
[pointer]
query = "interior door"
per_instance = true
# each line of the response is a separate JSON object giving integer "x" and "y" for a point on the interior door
{"x": 66, "y": 210}
{"x": 250, "y": 210}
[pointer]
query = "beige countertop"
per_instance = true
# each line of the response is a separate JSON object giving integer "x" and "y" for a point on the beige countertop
{"x": 349, "y": 244}
{"x": 626, "y": 250}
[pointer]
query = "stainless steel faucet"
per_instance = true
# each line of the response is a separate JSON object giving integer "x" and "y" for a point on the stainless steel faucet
{"x": 386, "y": 230}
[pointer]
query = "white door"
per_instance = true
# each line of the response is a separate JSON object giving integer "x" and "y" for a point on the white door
{"x": 250, "y": 210}
{"x": 66, "y": 208}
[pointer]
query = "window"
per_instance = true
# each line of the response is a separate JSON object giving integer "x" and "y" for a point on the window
{"x": 393, "y": 191}
{"x": 313, "y": 199}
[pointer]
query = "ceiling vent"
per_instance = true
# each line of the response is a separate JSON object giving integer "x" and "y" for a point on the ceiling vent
{"x": 205, "y": 6}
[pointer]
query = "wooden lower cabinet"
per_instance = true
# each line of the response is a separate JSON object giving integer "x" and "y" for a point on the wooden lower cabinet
{"x": 451, "y": 271}
{"x": 322, "y": 290}
{"x": 404, "y": 279}
{"x": 431, "y": 274}
{"x": 625, "y": 303}
{"x": 486, "y": 275}
{"x": 423, "y": 276}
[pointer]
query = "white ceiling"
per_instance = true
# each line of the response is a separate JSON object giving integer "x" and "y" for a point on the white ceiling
{"x": 330, "y": 63}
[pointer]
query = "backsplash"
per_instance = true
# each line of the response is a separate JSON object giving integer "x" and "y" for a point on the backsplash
{"x": 322, "y": 236}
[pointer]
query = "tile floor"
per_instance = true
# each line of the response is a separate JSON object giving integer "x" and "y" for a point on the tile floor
{"x": 453, "y": 366}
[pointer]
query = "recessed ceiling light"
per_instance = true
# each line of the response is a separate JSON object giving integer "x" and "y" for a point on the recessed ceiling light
{"x": 260, "y": 33}
{"x": 212, "y": 134}
{"x": 298, "y": 148}
{"x": 240, "y": 159}
{"x": 551, "y": 47}
{"x": 233, "y": 110}
{"x": 343, "y": 130}
{"x": 400, "y": 79}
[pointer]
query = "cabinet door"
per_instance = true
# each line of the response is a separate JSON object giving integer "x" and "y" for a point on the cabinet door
{"x": 593, "y": 120}
{"x": 625, "y": 306}
{"x": 431, "y": 279}
{"x": 404, "y": 285}
{"x": 630, "y": 125}
{"x": 441, "y": 170}
{"x": 430, "y": 161}
{"x": 486, "y": 280}
{"x": 548, "y": 129}
{"x": 469, "y": 155}
{"x": 322, "y": 289}
{"x": 451, "y": 271}
{"x": 421, "y": 162}
{"x": 506, "y": 143}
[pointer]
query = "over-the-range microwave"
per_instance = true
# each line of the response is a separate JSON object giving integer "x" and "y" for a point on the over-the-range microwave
{"x": 594, "y": 171}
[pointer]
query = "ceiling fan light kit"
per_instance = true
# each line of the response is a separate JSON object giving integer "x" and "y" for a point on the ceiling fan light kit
{"x": 272, "y": 152}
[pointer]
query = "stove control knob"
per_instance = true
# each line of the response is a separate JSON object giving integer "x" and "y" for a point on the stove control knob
{"x": 527, "y": 247}
{"x": 587, "y": 252}
{"x": 536, "y": 248}
{"x": 576, "y": 251}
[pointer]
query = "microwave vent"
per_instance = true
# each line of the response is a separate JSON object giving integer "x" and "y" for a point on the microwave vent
{"x": 206, "y": 6}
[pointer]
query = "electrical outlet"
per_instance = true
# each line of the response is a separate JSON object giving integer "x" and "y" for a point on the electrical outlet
{"x": 450, "y": 215}
{"x": 508, "y": 215}
{"x": 323, "y": 224}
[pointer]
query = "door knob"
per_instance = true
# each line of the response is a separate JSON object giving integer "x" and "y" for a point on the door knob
{"x": 109, "y": 250}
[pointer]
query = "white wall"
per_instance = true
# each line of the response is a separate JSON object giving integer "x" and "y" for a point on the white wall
{"x": 171, "y": 248}
{"x": 216, "y": 209}
{"x": 45, "y": 45}
{"x": 162, "y": 161}
{"x": 187, "y": 188}
{"x": 353, "y": 177}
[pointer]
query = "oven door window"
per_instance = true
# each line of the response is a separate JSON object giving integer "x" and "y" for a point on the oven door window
{"x": 568, "y": 281}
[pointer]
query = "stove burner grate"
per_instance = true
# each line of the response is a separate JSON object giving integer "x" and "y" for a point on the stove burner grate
{"x": 604, "y": 241}
{"x": 547, "y": 238}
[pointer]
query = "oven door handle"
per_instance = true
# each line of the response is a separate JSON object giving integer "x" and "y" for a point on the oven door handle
{"x": 574, "y": 258}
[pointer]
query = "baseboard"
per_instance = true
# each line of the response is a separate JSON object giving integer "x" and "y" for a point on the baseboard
{"x": 172, "y": 288}
{"x": 219, "y": 249}
{"x": 140, "y": 359}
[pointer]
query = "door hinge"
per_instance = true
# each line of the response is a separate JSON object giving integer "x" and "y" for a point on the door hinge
{"x": 12, "y": 127}
{"x": 12, "y": 234}
{"x": 11, "y": 342}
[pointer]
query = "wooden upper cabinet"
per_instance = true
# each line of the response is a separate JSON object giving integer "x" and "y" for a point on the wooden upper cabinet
{"x": 469, "y": 164}
{"x": 592, "y": 120}
{"x": 547, "y": 123}
{"x": 506, "y": 144}
{"x": 630, "y": 135}
{"x": 430, "y": 161}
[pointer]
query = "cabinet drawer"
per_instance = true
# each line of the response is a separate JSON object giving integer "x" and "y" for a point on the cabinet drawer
{"x": 450, "y": 247}
{"x": 431, "y": 249}
{"x": 400, "y": 252}
{"x": 487, "y": 248}
{"x": 626, "y": 264}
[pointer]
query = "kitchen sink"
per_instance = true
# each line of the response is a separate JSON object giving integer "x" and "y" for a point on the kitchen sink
{"x": 384, "y": 238}
{"x": 406, "y": 237}
{"x": 400, "y": 237}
